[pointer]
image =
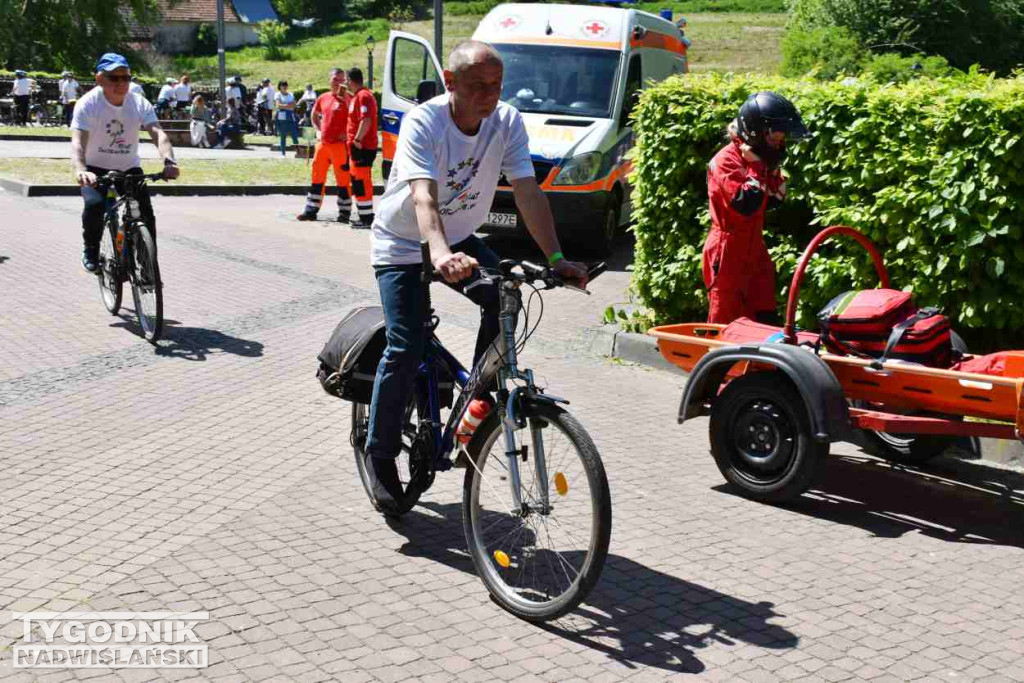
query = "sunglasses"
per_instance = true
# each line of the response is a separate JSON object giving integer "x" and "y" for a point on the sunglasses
{"x": 117, "y": 79}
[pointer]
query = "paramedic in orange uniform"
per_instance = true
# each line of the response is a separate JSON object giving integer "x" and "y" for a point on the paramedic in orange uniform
{"x": 330, "y": 117}
{"x": 362, "y": 136}
{"x": 744, "y": 180}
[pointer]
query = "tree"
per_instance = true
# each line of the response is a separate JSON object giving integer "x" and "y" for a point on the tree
{"x": 50, "y": 36}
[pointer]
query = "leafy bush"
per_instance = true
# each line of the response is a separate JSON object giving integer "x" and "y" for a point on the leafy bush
{"x": 931, "y": 171}
{"x": 965, "y": 32}
{"x": 206, "y": 39}
{"x": 892, "y": 68}
{"x": 829, "y": 51}
{"x": 272, "y": 35}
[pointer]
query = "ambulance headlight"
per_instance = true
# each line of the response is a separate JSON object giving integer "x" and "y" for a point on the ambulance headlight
{"x": 579, "y": 170}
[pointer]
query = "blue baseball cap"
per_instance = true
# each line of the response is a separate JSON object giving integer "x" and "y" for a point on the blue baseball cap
{"x": 111, "y": 61}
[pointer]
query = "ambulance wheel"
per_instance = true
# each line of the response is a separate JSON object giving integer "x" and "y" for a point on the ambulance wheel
{"x": 761, "y": 438}
{"x": 604, "y": 238}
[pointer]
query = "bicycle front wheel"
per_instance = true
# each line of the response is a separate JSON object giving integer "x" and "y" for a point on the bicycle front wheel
{"x": 147, "y": 290}
{"x": 541, "y": 560}
{"x": 111, "y": 284}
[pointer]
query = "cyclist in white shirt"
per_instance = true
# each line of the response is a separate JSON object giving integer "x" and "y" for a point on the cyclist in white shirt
{"x": 21, "y": 91}
{"x": 105, "y": 137}
{"x": 68, "y": 87}
{"x": 136, "y": 87}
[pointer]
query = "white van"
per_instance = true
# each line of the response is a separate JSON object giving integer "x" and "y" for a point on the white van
{"x": 574, "y": 72}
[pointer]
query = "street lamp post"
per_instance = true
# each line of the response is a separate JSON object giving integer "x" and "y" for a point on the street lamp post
{"x": 370, "y": 44}
{"x": 220, "y": 51}
{"x": 438, "y": 17}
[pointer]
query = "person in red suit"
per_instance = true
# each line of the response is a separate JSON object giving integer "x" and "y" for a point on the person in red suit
{"x": 745, "y": 180}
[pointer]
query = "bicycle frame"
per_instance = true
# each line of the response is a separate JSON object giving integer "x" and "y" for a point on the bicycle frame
{"x": 500, "y": 362}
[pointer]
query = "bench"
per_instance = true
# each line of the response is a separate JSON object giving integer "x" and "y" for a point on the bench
{"x": 180, "y": 134}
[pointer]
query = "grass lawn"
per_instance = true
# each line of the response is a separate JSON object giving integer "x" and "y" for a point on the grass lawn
{"x": 722, "y": 41}
{"x": 288, "y": 171}
{"x": 39, "y": 131}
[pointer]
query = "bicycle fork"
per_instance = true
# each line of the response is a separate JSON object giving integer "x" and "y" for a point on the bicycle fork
{"x": 512, "y": 418}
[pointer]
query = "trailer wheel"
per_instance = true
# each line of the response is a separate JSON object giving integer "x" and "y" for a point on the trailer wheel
{"x": 761, "y": 438}
{"x": 906, "y": 449}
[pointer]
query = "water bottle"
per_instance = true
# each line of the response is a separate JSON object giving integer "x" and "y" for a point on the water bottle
{"x": 475, "y": 414}
{"x": 119, "y": 239}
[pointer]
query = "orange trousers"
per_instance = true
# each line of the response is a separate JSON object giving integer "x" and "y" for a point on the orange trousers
{"x": 330, "y": 155}
{"x": 362, "y": 181}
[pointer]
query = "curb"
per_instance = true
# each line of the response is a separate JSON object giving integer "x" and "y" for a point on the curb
{"x": 643, "y": 349}
{"x": 171, "y": 190}
{"x": 629, "y": 346}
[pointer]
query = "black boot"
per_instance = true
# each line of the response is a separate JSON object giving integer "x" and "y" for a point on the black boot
{"x": 384, "y": 482}
{"x": 90, "y": 259}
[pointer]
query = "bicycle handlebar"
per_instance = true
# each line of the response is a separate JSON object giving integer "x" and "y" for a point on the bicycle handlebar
{"x": 531, "y": 272}
{"x": 110, "y": 177}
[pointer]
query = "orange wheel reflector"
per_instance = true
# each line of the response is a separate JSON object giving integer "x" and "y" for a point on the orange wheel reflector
{"x": 502, "y": 559}
{"x": 561, "y": 484}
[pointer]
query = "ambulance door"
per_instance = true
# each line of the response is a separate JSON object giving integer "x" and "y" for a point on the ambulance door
{"x": 412, "y": 75}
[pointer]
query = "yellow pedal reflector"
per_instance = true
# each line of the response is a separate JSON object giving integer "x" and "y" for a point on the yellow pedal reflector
{"x": 561, "y": 484}
{"x": 502, "y": 559}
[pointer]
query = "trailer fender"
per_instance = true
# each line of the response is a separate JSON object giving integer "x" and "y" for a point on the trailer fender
{"x": 823, "y": 396}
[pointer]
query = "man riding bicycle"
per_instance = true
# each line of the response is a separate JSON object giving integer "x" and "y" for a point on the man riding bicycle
{"x": 105, "y": 137}
{"x": 451, "y": 151}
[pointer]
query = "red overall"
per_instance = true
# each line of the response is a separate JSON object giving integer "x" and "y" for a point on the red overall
{"x": 738, "y": 272}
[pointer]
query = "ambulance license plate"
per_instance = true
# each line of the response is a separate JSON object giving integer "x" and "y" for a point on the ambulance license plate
{"x": 503, "y": 219}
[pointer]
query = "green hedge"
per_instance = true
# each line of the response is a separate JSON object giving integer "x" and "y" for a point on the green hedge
{"x": 932, "y": 171}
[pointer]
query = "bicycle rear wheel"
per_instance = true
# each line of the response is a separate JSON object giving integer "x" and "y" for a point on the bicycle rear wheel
{"x": 110, "y": 278}
{"x": 147, "y": 290}
{"x": 407, "y": 463}
{"x": 540, "y": 561}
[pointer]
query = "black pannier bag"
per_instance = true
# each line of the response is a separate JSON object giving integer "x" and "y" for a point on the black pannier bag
{"x": 349, "y": 359}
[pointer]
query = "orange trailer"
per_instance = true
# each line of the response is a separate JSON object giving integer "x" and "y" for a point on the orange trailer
{"x": 776, "y": 405}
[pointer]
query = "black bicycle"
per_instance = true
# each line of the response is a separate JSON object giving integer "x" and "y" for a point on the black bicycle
{"x": 128, "y": 252}
{"x": 537, "y": 511}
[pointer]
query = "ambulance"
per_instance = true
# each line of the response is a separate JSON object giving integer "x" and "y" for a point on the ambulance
{"x": 574, "y": 71}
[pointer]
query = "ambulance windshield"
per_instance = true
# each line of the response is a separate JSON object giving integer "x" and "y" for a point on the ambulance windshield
{"x": 574, "y": 81}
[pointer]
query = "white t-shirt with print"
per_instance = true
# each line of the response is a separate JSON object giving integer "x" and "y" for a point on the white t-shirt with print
{"x": 22, "y": 86}
{"x": 113, "y": 131}
{"x": 466, "y": 168}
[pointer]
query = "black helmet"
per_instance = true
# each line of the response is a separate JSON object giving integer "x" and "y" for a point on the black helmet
{"x": 768, "y": 112}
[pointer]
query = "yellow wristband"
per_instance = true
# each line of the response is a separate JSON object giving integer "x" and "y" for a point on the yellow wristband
{"x": 557, "y": 256}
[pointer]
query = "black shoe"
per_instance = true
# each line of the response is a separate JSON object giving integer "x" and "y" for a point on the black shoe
{"x": 344, "y": 218}
{"x": 90, "y": 261}
{"x": 306, "y": 216}
{"x": 360, "y": 224}
{"x": 387, "y": 489}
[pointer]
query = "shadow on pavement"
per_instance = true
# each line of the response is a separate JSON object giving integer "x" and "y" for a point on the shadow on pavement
{"x": 523, "y": 247}
{"x": 193, "y": 343}
{"x": 4, "y": 258}
{"x": 635, "y": 615}
{"x": 950, "y": 500}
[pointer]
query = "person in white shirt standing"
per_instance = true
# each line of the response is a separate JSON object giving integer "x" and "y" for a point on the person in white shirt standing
{"x": 68, "y": 87}
{"x": 21, "y": 91}
{"x": 166, "y": 98}
{"x": 232, "y": 92}
{"x": 105, "y": 137}
{"x": 451, "y": 151}
{"x": 265, "y": 107}
{"x": 183, "y": 94}
{"x": 136, "y": 88}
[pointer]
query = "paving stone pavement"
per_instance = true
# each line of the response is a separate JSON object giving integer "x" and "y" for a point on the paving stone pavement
{"x": 212, "y": 473}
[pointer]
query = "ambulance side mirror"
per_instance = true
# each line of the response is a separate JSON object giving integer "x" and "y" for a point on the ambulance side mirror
{"x": 426, "y": 90}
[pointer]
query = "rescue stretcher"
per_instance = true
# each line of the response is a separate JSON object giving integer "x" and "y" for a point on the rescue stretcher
{"x": 777, "y": 399}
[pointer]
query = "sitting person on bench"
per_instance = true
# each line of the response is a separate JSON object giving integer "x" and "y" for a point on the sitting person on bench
{"x": 230, "y": 125}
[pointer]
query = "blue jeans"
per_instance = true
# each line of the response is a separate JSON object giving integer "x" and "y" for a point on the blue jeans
{"x": 287, "y": 127}
{"x": 401, "y": 295}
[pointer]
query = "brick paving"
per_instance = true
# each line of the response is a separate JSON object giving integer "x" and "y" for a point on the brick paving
{"x": 212, "y": 473}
